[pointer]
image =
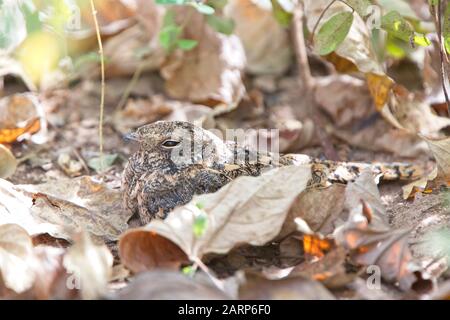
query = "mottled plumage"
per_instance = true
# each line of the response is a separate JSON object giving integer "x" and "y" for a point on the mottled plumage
{"x": 177, "y": 160}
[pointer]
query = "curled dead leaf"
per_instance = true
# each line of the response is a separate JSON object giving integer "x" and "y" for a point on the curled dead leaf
{"x": 22, "y": 115}
{"x": 90, "y": 266}
{"x": 168, "y": 285}
{"x": 209, "y": 73}
{"x": 142, "y": 250}
{"x": 16, "y": 254}
{"x": 80, "y": 203}
{"x": 265, "y": 41}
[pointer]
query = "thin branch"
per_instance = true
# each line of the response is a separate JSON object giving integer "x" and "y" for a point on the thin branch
{"x": 438, "y": 19}
{"x": 102, "y": 95}
{"x": 132, "y": 83}
{"x": 304, "y": 70}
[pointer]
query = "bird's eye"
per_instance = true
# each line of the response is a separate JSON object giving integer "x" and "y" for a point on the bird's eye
{"x": 170, "y": 143}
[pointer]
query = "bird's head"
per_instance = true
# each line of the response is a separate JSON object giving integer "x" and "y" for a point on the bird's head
{"x": 180, "y": 143}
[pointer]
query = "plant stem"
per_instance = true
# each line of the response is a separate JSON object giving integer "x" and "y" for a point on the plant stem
{"x": 102, "y": 94}
{"x": 442, "y": 54}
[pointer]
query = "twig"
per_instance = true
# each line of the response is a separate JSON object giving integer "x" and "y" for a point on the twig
{"x": 304, "y": 70}
{"x": 102, "y": 95}
{"x": 205, "y": 269}
{"x": 438, "y": 20}
{"x": 131, "y": 84}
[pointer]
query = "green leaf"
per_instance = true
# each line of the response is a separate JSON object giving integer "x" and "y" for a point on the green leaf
{"x": 202, "y": 8}
{"x": 360, "y": 6}
{"x": 200, "y": 224}
{"x": 218, "y": 4}
{"x": 82, "y": 60}
{"x": 283, "y": 17}
{"x": 188, "y": 271}
{"x": 31, "y": 15}
{"x": 98, "y": 166}
{"x": 168, "y": 37}
{"x": 12, "y": 26}
{"x": 333, "y": 32}
{"x": 394, "y": 23}
{"x": 174, "y": 2}
{"x": 399, "y": 6}
{"x": 446, "y": 29}
{"x": 187, "y": 44}
{"x": 220, "y": 24}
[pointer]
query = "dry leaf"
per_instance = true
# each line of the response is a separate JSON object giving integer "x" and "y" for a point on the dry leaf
{"x": 8, "y": 162}
{"x": 345, "y": 98}
{"x": 319, "y": 208}
{"x": 265, "y": 41}
{"x": 330, "y": 270}
{"x": 15, "y": 208}
{"x": 139, "y": 112}
{"x": 90, "y": 265}
{"x": 441, "y": 152}
{"x": 168, "y": 285}
{"x": 379, "y": 246}
{"x": 16, "y": 254}
{"x": 22, "y": 115}
{"x": 141, "y": 250}
{"x": 209, "y": 73}
{"x": 234, "y": 217}
{"x": 296, "y": 288}
{"x": 380, "y": 87}
{"x": 80, "y": 203}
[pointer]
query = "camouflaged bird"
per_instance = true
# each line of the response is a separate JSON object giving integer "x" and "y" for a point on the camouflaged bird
{"x": 177, "y": 160}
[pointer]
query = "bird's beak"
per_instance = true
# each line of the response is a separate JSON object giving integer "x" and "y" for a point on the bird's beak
{"x": 131, "y": 136}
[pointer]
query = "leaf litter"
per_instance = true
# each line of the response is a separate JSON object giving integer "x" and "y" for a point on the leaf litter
{"x": 65, "y": 235}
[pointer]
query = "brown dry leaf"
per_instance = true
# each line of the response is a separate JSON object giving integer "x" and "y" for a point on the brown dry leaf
{"x": 380, "y": 136}
{"x": 295, "y": 288}
{"x": 80, "y": 203}
{"x": 90, "y": 265}
{"x": 330, "y": 270}
{"x": 141, "y": 250}
{"x": 441, "y": 152}
{"x": 15, "y": 208}
{"x": 319, "y": 208}
{"x": 209, "y": 73}
{"x": 378, "y": 245}
{"x": 365, "y": 189}
{"x": 16, "y": 254}
{"x": 8, "y": 162}
{"x": 265, "y": 41}
{"x": 168, "y": 285}
{"x": 112, "y": 16}
{"x": 380, "y": 87}
{"x": 415, "y": 115}
{"x": 345, "y": 98}
{"x": 140, "y": 112}
{"x": 233, "y": 217}
{"x": 122, "y": 52}
{"x": 21, "y": 115}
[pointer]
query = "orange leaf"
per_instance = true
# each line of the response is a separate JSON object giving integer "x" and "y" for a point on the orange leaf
{"x": 380, "y": 87}
{"x": 11, "y": 135}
